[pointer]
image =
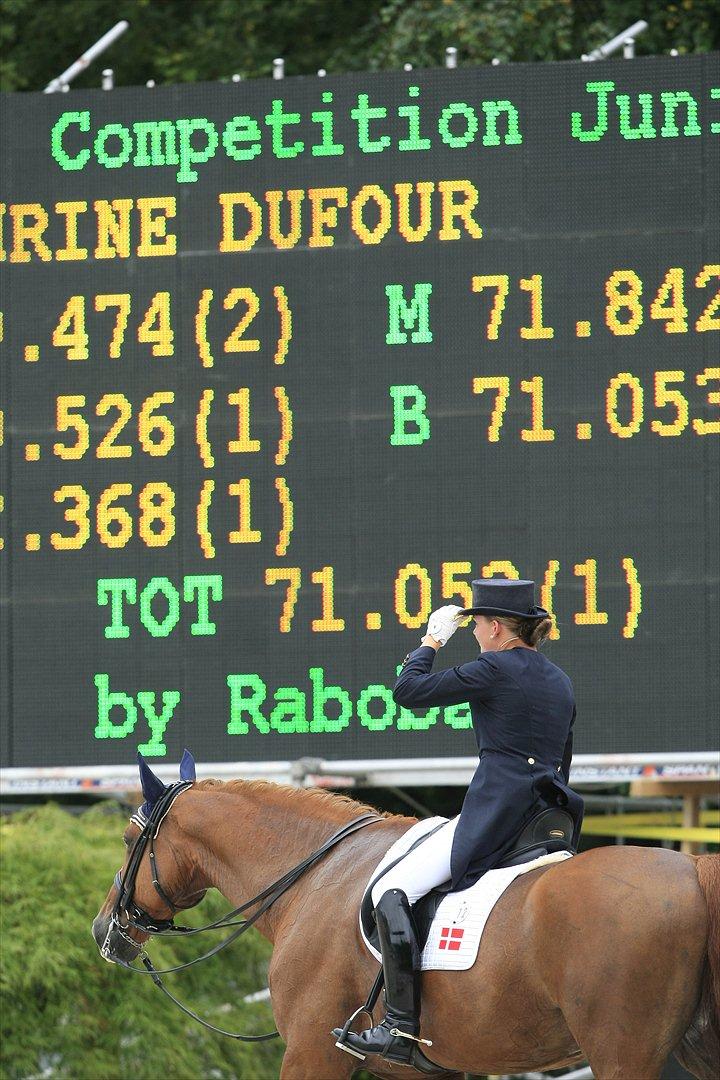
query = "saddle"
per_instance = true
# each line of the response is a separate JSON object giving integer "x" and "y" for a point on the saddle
{"x": 549, "y": 831}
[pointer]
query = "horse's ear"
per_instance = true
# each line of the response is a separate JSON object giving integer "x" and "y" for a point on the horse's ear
{"x": 152, "y": 786}
{"x": 187, "y": 766}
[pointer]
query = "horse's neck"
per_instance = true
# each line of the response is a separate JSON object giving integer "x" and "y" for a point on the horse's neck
{"x": 246, "y": 841}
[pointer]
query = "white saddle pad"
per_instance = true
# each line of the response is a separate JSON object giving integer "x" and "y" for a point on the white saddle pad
{"x": 454, "y": 937}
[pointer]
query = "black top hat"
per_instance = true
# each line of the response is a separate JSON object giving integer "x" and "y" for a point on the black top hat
{"x": 498, "y": 596}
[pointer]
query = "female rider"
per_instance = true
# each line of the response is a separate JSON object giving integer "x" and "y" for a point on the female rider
{"x": 523, "y": 711}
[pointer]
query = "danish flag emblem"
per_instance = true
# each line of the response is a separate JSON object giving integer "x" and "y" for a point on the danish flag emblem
{"x": 451, "y": 938}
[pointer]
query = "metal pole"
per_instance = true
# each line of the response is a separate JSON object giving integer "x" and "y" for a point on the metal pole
{"x": 411, "y": 801}
{"x": 278, "y": 68}
{"x": 617, "y": 42}
{"x": 108, "y": 79}
{"x": 62, "y": 81}
{"x": 629, "y": 48}
{"x": 451, "y": 57}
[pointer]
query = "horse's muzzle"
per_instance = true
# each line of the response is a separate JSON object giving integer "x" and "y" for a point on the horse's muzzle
{"x": 113, "y": 944}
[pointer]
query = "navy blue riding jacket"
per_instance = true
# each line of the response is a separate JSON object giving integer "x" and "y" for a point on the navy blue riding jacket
{"x": 523, "y": 711}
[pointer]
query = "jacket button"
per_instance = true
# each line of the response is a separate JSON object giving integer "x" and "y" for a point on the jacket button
{"x": 531, "y": 761}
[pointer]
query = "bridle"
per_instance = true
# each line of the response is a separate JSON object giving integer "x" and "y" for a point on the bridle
{"x": 149, "y": 828}
{"x": 124, "y": 904}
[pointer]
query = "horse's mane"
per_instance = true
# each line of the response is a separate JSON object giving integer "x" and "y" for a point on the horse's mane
{"x": 315, "y": 802}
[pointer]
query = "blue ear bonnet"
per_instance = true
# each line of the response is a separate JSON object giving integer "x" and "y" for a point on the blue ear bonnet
{"x": 153, "y": 787}
{"x": 187, "y": 766}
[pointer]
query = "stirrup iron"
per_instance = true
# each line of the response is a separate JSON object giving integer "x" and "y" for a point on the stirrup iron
{"x": 341, "y": 1044}
{"x": 367, "y": 1008}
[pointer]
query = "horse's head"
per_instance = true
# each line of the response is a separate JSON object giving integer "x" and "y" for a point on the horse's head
{"x": 158, "y": 877}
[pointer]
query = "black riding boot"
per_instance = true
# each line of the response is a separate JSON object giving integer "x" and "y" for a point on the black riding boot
{"x": 401, "y": 967}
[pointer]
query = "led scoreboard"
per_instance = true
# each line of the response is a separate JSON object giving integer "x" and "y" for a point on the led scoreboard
{"x": 286, "y": 364}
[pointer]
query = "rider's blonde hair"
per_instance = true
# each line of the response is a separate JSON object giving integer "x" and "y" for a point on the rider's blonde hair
{"x": 530, "y": 631}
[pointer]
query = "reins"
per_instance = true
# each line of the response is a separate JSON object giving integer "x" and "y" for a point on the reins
{"x": 140, "y": 920}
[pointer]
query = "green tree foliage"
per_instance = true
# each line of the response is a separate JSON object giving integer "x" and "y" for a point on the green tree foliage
{"x": 534, "y": 30}
{"x": 191, "y": 40}
{"x": 66, "y": 1013}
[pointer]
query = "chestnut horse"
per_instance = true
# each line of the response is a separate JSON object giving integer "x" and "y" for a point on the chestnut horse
{"x": 612, "y": 956}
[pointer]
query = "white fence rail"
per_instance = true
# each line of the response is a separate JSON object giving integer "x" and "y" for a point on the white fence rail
{"x": 587, "y": 769}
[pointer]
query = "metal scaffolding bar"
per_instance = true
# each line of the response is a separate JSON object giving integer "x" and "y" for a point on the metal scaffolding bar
{"x": 618, "y": 42}
{"x": 63, "y": 81}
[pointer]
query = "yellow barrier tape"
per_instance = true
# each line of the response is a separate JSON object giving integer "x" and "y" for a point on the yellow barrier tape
{"x": 659, "y": 817}
{"x": 606, "y": 826}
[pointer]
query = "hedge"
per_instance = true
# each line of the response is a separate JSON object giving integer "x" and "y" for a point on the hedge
{"x": 66, "y": 1013}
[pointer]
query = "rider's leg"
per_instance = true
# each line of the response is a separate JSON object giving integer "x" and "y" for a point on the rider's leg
{"x": 422, "y": 869}
{"x": 401, "y": 968}
{"x": 429, "y": 865}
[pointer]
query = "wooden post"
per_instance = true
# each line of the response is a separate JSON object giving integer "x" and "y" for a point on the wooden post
{"x": 690, "y": 819}
{"x": 691, "y": 792}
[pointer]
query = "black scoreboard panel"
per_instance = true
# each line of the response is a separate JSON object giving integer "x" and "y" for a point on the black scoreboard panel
{"x": 286, "y": 364}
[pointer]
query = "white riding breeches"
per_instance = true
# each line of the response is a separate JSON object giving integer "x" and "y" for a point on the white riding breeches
{"x": 422, "y": 869}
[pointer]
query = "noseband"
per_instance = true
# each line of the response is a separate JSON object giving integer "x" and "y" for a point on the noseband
{"x": 135, "y": 917}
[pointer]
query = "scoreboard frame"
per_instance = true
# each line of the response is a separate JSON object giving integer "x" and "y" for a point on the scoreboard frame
{"x": 284, "y": 367}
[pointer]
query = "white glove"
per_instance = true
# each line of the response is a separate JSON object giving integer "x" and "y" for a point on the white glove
{"x": 443, "y": 623}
